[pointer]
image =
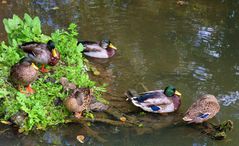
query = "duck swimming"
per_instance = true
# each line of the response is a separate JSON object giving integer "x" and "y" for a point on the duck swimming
{"x": 159, "y": 101}
{"x": 205, "y": 108}
{"x": 101, "y": 49}
{"x": 42, "y": 53}
{"x": 23, "y": 74}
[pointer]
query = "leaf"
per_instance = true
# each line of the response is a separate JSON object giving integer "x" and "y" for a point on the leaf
{"x": 36, "y": 26}
{"x": 28, "y": 19}
{"x": 6, "y": 26}
{"x": 17, "y": 19}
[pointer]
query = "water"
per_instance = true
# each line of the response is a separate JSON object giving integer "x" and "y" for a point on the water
{"x": 194, "y": 47}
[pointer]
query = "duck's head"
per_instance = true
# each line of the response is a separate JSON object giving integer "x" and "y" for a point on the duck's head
{"x": 171, "y": 91}
{"x": 52, "y": 48}
{"x": 55, "y": 55}
{"x": 107, "y": 44}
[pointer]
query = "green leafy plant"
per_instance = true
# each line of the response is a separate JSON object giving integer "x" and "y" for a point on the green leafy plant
{"x": 41, "y": 108}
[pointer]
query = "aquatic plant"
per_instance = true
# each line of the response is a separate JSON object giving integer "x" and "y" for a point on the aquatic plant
{"x": 41, "y": 109}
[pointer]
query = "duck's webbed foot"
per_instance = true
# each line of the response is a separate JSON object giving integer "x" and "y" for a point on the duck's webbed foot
{"x": 29, "y": 89}
{"x": 43, "y": 69}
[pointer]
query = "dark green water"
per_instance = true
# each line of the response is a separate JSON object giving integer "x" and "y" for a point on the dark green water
{"x": 194, "y": 47}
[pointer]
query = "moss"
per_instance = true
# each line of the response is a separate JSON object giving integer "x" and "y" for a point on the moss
{"x": 40, "y": 107}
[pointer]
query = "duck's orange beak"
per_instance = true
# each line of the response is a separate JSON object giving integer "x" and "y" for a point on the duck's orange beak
{"x": 34, "y": 66}
{"x": 177, "y": 93}
{"x": 54, "y": 54}
{"x": 112, "y": 46}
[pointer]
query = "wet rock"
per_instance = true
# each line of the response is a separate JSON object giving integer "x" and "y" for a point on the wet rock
{"x": 19, "y": 118}
{"x": 98, "y": 106}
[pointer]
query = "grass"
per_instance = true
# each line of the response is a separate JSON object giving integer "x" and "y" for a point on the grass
{"x": 40, "y": 107}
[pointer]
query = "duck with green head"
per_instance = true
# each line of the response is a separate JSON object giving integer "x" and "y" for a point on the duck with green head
{"x": 159, "y": 101}
{"x": 23, "y": 74}
{"x": 42, "y": 53}
{"x": 101, "y": 49}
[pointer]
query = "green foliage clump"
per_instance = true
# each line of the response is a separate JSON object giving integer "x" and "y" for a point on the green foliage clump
{"x": 40, "y": 107}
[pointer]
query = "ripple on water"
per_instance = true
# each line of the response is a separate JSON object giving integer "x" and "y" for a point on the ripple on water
{"x": 236, "y": 67}
{"x": 210, "y": 39}
{"x": 201, "y": 73}
{"x": 204, "y": 35}
{"x": 229, "y": 98}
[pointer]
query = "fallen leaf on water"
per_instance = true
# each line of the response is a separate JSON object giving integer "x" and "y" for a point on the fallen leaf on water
{"x": 80, "y": 138}
{"x": 4, "y": 2}
{"x": 122, "y": 119}
{"x": 55, "y": 8}
{"x": 6, "y": 122}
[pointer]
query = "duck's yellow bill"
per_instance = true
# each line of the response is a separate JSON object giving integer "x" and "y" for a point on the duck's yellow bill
{"x": 34, "y": 66}
{"x": 177, "y": 93}
{"x": 112, "y": 46}
{"x": 54, "y": 54}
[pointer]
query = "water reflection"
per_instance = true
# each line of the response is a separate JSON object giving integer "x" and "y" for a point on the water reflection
{"x": 201, "y": 73}
{"x": 230, "y": 98}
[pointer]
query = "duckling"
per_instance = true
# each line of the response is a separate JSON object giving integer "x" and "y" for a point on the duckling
{"x": 42, "y": 53}
{"x": 23, "y": 74}
{"x": 205, "y": 108}
{"x": 101, "y": 49}
{"x": 159, "y": 101}
{"x": 79, "y": 101}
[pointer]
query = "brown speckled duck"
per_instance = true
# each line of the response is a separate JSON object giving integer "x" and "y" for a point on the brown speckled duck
{"x": 23, "y": 74}
{"x": 101, "y": 49}
{"x": 159, "y": 101}
{"x": 42, "y": 53}
{"x": 206, "y": 107}
{"x": 79, "y": 101}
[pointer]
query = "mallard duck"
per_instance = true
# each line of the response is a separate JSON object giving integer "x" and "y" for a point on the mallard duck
{"x": 101, "y": 49}
{"x": 79, "y": 101}
{"x": 206, "y": 107}
{"x": 42, "y": 53}
{"x": 159, "y": 101}
{"x": 23, "y": 74}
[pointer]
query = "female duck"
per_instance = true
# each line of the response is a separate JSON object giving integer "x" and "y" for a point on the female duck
{"x": 206, "y": 107}
{"x": 79, "y": 101}
{"x": 159, "y": 101}
{"x": 23, "y": 74}
{"x": 42, "y": 53}
{"x": 102, "y": 49}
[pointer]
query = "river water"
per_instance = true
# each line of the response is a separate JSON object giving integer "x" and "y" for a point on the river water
{"x": 193, "y": 47}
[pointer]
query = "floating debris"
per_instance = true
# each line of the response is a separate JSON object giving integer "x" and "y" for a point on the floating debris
{"x": 181, "y": 2}
{"x": 122, "y": 119}
{"x": 6, "y": 122}
{"x": 81, "y": 138}
{"x": 55, "y": 8}
{"x": 229, "y": 99}
{"x": 4, "y": 2}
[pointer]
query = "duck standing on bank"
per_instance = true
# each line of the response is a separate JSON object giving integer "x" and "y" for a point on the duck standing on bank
{"x": 23, "y": 74}
{"x": 205, "y": 108}
{"x": 159, "y": 101}
{"x": 42, "y": 53}
{"x": 101, "y": 49}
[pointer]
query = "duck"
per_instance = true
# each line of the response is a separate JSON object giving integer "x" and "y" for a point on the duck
{"x": 101, "y": 49}
{"x": 159, "y": 101}
{"x": 24, "y": 73}
{"x": 79, "y": 101}
{"x": 42, "y": 53}
{"x": 205, "y": 108}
